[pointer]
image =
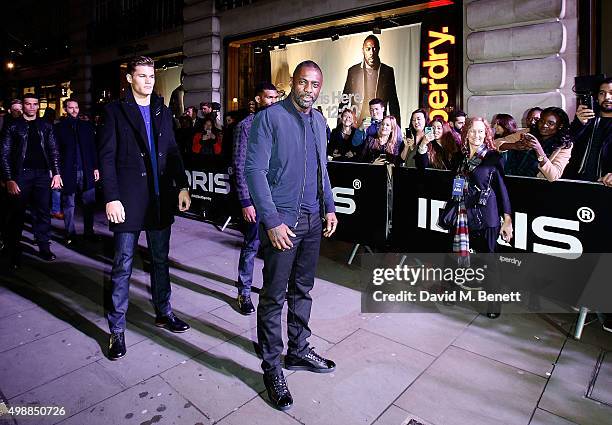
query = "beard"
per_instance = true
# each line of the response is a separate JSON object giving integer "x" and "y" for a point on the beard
{"x": 302, "y": 102}
{"x": 606, "y": 107}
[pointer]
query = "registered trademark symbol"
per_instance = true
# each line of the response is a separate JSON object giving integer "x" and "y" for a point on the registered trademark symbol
{"x": 585, "y": 214}
{"x": 356, "y": 184}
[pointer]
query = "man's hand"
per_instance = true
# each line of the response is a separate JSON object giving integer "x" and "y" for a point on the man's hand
{"x": 115, "y": 212}
{"x": 506, "y": 230}
{"x": 584, "y": 114}
{"x": 96, "y": 175}
{"x": 249, "y": 214}
{"x": 12, "y": 187}
{"x": 607, "y": 180}
{"x": 184, "y": 200}
{"x": 56, "y": 182}
{"x": 279, "y": 236}
{"x": 331, "y": 222}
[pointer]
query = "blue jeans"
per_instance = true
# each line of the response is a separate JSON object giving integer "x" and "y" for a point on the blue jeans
{"x": 158, "y": 242}
{"x": 88, "y": 197}
{"x": 250, "y": 244}
{"x": 56, "y": 206}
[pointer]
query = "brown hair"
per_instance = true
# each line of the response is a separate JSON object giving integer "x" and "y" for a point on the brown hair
{"x": 139, "y": 61}
{"x": 465, "y": 131}
{"x": 70, "y": 99}
{"x": 389, "y": 147}
{"x": 441, "y": 160}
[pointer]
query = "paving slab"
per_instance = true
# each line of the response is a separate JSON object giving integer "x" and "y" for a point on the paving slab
{"x": 427, "y": 332}
{"x": 220, "y": 380}
{"x": 372, "y": 371}
{"x": 31, "y": 365}
{"x": 11, "y": 303}
{"x": 542, "y": 417}
{"x": 567, "y": 387}
{"x": 150, "y": 402}
{"x": 257, "y": 412}
{"x": 462, "y": 387}
{"x": 524, "y": 341}
{"x": 27, "y": 326}
{"x": 396, "y": 416}
{"x": 94, "y": 385}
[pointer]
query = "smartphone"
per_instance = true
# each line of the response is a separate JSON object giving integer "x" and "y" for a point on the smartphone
{"x": 382, "y": 156}
{"x": 428, "y": 130}
{"x": 586, "y": 100}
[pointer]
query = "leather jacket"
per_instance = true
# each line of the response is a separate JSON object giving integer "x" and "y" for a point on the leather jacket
{"x": 14, "y": 145}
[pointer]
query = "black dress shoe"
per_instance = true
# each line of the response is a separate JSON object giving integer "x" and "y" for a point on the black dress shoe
{"x": 172, "y": 323}
{"x": 245, "y": 305}
{"x": 278, "y": 392}
{"x": 46, "y": 254}
{"x": 311, "y": 362}
{"x": 116, "y": 347}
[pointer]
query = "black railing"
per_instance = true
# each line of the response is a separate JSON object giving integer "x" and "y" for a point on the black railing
{"x": 120, "y": 21}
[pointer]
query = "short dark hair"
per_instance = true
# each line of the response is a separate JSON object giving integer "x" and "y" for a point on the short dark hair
{"x": 30, "y": 96}
{"x": 307, "y": 64}
{"x": 535, "y": 108}
{"x": 377, "y": 101}
{"x": 206, "y": 104}
{"x": 264, "y": 85}
{"x": 139, "y": 61}
{"x": 605, "y": 81}
{"x": 458, "y": 113}
{"x": 70, "y": 99}
{"x": 374, "y": 39}
{"x": 16, "y": 102}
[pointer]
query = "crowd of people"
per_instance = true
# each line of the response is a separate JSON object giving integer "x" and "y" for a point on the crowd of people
{"x": 278, "y": 149}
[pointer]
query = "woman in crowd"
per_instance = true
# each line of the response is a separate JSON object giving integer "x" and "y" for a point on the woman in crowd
{"x": 542, "y": 151}
{"x": 209, "y": 140}
{"x": 340, "y": 147}
{"x": 438, "y": 148}
{"x": 418, "y": 122}
{"x": 503, "y": 125}
{"x": 383, "y": 147}
{"x": 482, "y": 198}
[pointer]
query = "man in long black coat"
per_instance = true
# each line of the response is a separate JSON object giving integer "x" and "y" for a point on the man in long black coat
{"x": 78, "y": 167}
{"x": 141, "y": 170}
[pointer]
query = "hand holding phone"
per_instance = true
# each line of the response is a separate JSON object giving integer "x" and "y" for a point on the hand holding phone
{"x": 429, "y": 136}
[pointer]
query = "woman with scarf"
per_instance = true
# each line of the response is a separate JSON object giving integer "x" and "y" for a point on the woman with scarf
{"x": 543, "y": 151}
{"x": 482, "y": 198}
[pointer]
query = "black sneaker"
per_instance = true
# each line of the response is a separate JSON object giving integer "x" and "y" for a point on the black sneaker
{"x": 116, "y": 346}
{"x": 245, "y": 305}
{"x": 278, "y": 392}
{"x": 172, "y": 323}
{"x": 312, "y": 362}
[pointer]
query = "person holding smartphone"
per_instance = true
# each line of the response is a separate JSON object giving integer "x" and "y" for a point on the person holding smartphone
{"x": 414, "y": 135}
{"x": 592, "y": 132}
{"x": 208, "y": 141}
{"x": 383, "y": 148}
{"x": 437, "y": 148}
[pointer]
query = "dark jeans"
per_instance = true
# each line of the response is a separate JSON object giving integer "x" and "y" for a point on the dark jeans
{"x": 88, "y": 197}
{"x": 250, "y": 244}
{"x": 35, "y": 186}
{"x": 291, "y": 271}
{"x": 158, "y": 242}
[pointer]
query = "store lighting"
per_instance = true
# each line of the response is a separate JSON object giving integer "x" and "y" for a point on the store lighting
{"x": 257, "y": 50}
{"x": 10, "y": 65}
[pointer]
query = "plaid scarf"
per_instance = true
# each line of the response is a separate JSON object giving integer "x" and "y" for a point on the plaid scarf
{"x": 461, "y": 241}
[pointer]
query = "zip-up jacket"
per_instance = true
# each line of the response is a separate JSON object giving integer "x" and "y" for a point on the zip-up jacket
{"x": 583, "y": 140}
{"x": 241, "y": 138}
{"x": 276, "y": 164}
{"x": 14, "y": 145}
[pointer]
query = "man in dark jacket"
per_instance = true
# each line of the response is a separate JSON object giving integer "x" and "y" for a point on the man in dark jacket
{"x": 286, "y": 172}
{"x": 265, "y": 95}
{"x": 79, "y": 168}
{"x": 140, "y": 165}
{"x": 371, "y": 79}
{"x": 30, "y": 169}
{"x": 592, "y": 154}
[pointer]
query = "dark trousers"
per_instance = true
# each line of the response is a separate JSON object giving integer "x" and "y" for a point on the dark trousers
{"x": 290, "y": 272}
{"x": 88, "y": 198}
{"x": 250, "y": 244}
{"x": 35, "y": 186}
{"x": 158, "y": 242}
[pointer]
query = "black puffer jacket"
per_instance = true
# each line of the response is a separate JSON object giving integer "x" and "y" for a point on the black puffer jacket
{"x": 14, "y": 145}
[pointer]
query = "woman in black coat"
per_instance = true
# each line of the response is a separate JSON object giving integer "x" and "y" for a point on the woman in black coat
{"x": 340, "y": 147}
{"x": 483, "y": 200}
